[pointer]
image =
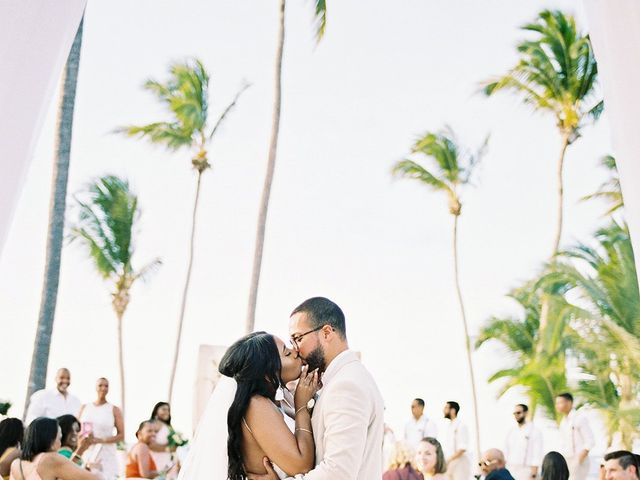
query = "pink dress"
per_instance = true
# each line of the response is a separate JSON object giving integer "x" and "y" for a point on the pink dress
{"x": 29, "y": 472}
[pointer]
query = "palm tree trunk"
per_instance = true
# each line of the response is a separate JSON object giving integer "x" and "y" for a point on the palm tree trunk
{"x": 121, "y": 362}
{"x": 466, "y": 334}
{"x": 560, "y": 172}
{"x": 268, "y": 180}
{"x": 185, "y": 291}
{"x": 55, "y": 235}
{"x": 544, "y": 307}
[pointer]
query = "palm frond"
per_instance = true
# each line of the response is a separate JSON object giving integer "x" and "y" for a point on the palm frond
{"x": 320, "y": 18}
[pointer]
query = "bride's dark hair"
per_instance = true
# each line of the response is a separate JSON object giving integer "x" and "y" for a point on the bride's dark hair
{"x": 254, "y": 362}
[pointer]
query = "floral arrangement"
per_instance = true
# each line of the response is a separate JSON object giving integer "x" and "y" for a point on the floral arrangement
{"x": 176, "y": 439}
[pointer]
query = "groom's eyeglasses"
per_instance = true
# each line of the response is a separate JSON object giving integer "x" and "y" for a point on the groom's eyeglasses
{"x": 295, "y": 339}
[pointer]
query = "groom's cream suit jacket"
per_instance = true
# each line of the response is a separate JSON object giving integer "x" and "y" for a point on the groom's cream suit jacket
{"x": 348, "y": 423}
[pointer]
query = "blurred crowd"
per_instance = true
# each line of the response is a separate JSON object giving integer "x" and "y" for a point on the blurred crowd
{"x": 61, "y": 433}
{"x": 424, "y": 452}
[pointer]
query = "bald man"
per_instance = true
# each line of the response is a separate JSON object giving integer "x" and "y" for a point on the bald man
{"x": 493, "y": 465}
{"x": 55, "y": 402}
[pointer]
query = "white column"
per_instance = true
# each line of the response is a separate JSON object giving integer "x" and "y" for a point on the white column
{"x": 614, "y": 27}
{"x": 35, "y": 39}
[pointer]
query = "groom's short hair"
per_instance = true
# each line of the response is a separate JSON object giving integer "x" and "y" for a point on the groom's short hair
{"x": 322, "y": 311}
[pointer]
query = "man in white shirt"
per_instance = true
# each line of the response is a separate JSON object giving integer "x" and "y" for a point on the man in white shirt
{"x": 53, "y": 403}
{"x": 419, "y": 426}
{"x": 577, "y": 437}
{"x": 456, "y": 444}
{"x": 523, "y": 446}
{"x": 348, "y": 417}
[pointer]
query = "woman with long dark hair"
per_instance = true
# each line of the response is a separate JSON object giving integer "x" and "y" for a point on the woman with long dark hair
{"x": 11, "y": 435}
{"x": 252, "y": 397}
{"x": 40, "y": 460}
{"x": 161, "y": 449}
{"x": 554, "y": 467}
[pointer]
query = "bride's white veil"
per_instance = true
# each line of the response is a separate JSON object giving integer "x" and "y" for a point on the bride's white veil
{"x": 207, "y": 458}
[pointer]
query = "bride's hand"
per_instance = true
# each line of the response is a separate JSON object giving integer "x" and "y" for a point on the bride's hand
{"x": 307, "y": 387}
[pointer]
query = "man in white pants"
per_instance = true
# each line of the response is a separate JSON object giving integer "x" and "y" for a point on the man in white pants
{"x": 523, "y": 446}
{"x": 455, "y": 444}
{"x": 577, "y": 437}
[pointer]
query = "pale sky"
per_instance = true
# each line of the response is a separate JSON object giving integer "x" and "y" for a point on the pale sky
{"x": 339, "y": 225}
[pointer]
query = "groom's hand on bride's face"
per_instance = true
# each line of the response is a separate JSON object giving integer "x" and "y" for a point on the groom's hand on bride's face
{"x": 270, "y": 475}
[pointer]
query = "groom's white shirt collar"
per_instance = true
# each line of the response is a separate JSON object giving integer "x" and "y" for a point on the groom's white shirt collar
{"x": 336, "y": 364}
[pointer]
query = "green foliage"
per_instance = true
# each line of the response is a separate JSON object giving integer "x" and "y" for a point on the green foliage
{"x": 320, "y": 18}
{"x": 609, "y": 190}
{"x": 536, "y": 357}
{"x": 185, "y": 95}
{"x": 107, "y": 212}
{"x": 556, "y": 73}
{"x": 451, "y": 165}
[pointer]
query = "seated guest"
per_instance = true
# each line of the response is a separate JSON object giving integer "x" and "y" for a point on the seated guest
{"x": 73, "y": 445}
{"x": 11, "y": 435}
{"x": 620, "y": 465}
{"x": 493, "y": 464}
{"x": 400, "y": 467}
{"x": 430, "y": 459}
{"x": 554, "y": 467}
{"x": 40, "y": 460}
{"x": 140, "y": 463}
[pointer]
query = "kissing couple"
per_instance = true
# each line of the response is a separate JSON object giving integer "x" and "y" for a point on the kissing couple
{"x": 254, "y": 428}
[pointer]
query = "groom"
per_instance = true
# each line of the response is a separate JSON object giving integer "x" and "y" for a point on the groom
{"x": 348, "y": 423}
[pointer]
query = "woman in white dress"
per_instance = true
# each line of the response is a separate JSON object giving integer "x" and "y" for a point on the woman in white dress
{"x": 244, "y": 421}
{"x": 105, "y": 422}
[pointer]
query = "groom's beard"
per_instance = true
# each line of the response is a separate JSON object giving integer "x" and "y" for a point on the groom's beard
{"x": 316, "y": 359}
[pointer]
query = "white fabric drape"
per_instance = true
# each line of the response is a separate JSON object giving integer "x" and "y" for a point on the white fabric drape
{"x": 614, "y": 26}
{"x": 35, "y": 39}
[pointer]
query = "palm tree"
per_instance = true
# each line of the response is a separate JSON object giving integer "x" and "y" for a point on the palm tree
{"x": 320, "y": 26}
{"x": 186, "y": 96}
{"x": 55, "y": 235}
{"x": 536, "y": 362}
{"x": 603, "y": 286}
{"x": 556, "y": 74}
{"x": 453, "y": 170}
{"x": 107, "y": 217}
{"x": 609, "y": 190}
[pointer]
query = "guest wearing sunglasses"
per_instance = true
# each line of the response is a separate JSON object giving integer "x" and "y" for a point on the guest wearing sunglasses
{"x": 523, "y": 446}
{"x": 492, "y": 464}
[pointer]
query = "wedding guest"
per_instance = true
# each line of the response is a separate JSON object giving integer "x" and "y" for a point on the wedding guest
{"x": 107, "y": 426}
{"x": 620, "y": 465}
{"x": 11, "y": 435}
{"x": 577, "y": 437}
{"x": 161, "y": 450}
{"x": 73, "y": 445}
{"x": 554, "y": 467}
{"x": 456, "y": 443}
{"x": 400, "y": 467}
{"x": 140, "y": 463}
{"x": 419, "y": 425}
{"x": 430, "y": 459}
{"x": 523, "y": 446}
{"x": 54, "y": 402}
{"x": 40, "y": 460}
{"x": 493, "y": 465}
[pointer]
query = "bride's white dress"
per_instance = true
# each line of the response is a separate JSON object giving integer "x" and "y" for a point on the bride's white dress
{"x": 207, "y": 459}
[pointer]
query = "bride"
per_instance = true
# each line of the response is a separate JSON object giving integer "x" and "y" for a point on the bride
{"x": 244, "y": 421}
